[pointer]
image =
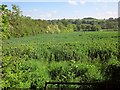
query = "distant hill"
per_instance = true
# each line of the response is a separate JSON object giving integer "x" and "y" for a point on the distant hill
{"x": 89, "y": 18}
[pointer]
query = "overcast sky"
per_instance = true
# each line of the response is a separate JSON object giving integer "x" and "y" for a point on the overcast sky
{"x": 59, "y": 9}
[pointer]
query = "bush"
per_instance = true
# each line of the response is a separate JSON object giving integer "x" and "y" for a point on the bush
{"x": 112, "y": 70}
{"x": 74, "y": 72}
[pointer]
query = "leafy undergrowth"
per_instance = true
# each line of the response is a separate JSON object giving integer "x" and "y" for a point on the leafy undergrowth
{"x": 30, "y": 64}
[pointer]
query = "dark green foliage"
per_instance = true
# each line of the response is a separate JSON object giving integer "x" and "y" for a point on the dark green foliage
{"x": 15, "y": 51}
{"x": 112, "y": 72}
{"x": 102, "y": 54}
{"x": 74, "y": 72}
{"x": 65, "y": 53}
{"x": 4, "y": 30}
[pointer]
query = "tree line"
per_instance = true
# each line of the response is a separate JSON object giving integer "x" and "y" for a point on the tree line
{"x": 20, "y": 25}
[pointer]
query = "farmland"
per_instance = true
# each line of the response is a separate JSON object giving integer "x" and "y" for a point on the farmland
{"x": 75, "y": 56}
{"x": 67, "y": 50}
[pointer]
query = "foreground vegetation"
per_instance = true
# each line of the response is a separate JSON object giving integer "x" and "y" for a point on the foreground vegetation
{"x": 89, "y": 56}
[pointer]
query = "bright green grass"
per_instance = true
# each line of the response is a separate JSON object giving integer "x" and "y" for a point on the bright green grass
{"x": 73, "y": 37}
{"x": 81, "y": 41}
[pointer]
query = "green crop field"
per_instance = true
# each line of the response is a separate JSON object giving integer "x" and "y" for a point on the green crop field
{"x": 68, "y": 57}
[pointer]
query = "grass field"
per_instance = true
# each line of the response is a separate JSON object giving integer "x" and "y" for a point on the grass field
{"x": 66, "y": 37}
{"x": 76, "y": 56}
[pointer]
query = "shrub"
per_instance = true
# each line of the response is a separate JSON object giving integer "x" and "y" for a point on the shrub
{"x": 112, "y": 70}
